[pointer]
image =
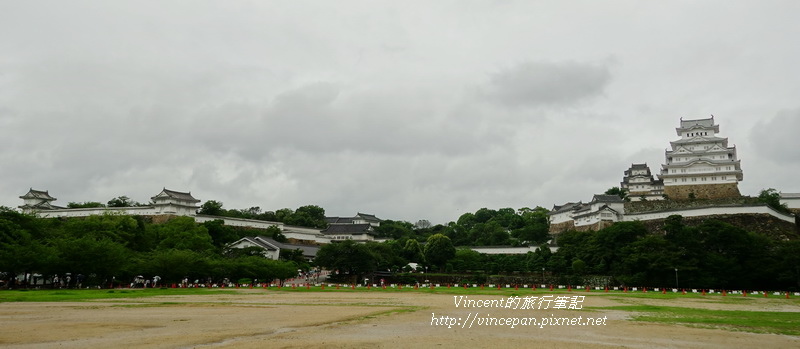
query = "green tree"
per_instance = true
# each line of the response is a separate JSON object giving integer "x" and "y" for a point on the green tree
{"x": 118, "y": 228}
{"x": 90, "y": 256}
{"x": 535, "y": 227}
{"x": 772, "y": 198}
{"x": 347, "y": 257}
{"x": 220, "y": 233}
{"x": 438, "y": 250}
{"x": 466, "y": 259}
{"x": 88, "y": 204}
{"x": 173, "y": 264}
{"x": 122, "y": 201}
{"x": 394, "y": 229}
{"x": 622, "y": 193}
{"x": 20, "y": 250}
{"x": 212, "y": 208}
{"x": 308, "y": 216}
{"x": 183, "y": 233}
{"x": 412, "y": 251}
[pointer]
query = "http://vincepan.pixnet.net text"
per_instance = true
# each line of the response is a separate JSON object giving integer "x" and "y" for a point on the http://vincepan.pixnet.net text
{"x": 526, "y": 312}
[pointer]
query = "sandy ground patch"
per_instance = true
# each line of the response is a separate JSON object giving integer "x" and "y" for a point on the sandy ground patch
{"x": 274, "y": 319}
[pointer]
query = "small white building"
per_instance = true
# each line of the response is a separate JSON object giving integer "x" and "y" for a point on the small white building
{"x": 357, "y": 232}
{"x": 640, "y": 184}
{"x": 359, "y": 218}
{"x": 38, "y": 200}
{"x": 601, "y": 211}
{"x": 175, "y": 203}
{"x": 272, "y": 249}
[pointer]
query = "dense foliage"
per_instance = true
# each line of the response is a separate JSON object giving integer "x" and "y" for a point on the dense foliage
{"x": 115, "y": 248}
{"x": 713, "y": 254}
{"x": 311, "y": 216}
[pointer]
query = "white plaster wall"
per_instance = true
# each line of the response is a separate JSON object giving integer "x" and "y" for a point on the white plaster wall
{"x": 303, "y": 236}
{"x": 791, "y": 200}
{"x": 84, "y": 212}
{"x": 239, "y": 222}
{"x": 709, "y": 211}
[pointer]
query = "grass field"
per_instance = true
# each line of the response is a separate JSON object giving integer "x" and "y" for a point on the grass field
{"x": 671, "y": 308}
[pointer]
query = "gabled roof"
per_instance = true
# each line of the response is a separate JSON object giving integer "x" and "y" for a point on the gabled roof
{"x": 368, "y": 217}
{"x": 565, "y": 207}
{"x": 607, "y": 198}
{"x": 44, "y": 205}
{"x": 308, "y": 251}
{"x": 260, "y": 243}
{"x": 175, "y": 195}
{"x": 338, "y": 220}
{"x": 701, "y": 139}
{"x": 37, "y": 194}
{"x": 697, "y": 122}
{"x": 348, "y": 229}
{"x": 349, "y": 220}
{"x": 601, "y": 209}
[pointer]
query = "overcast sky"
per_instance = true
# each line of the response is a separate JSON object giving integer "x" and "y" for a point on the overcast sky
{"x": 404, "y": 109}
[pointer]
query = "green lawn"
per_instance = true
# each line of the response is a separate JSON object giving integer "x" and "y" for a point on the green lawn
{"x": 787, "y": 323}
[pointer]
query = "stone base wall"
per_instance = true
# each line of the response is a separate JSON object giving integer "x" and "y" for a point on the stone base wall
{"x": 596, "y": 226}
{"x": 562, "y": 227}
{"x": 703, "y": 191}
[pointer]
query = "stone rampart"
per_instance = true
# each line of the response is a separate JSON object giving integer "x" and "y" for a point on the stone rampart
{"x": 702, "y": 191}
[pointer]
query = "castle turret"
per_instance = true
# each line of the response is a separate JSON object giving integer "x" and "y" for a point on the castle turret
{"x": 639, "y": 183}
{"x": 700, "y": 164}
{"x": 36, "y": 200}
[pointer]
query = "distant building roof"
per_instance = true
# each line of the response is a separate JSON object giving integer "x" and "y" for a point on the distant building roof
{"x": 176, "y": 195}
{"x": 339, "y": 220}
{"x": 308, "y": 250}
{"x": 349, "y": 220}
{"x": 602, "y": 208}
{"x": 44, "y": 205}
{"x": 37, "y": 194}
{"x": 697, "y": 122}
{"x": 607, "y": 198}
{"x": 368, "y": 217}
{"x": 570, "y": 206}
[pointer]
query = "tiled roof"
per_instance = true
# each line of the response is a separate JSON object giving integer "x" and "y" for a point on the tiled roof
{"x": 44, "y": 205}
{"x": 698, "y": 122}
{"x": 338, "y": 220}
{"x": 37, "y": 194}
{"x": 309, "y": 251}
{"x": 602, "y": 208}
{"x": 349, "y": 220}
{"x": 565, "y": 207}
{"x": 701, "y": 139}
{"x": 606, "y": 198}
{"x": 177, "y": 195}
{"x": 368, "y": 217}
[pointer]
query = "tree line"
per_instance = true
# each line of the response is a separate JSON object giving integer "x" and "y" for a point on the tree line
{"x": 115, "y": 248}
{"x": 713, "y": 254}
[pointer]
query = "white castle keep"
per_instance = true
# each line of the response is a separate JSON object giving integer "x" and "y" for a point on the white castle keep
{"x": 699, "y": 165}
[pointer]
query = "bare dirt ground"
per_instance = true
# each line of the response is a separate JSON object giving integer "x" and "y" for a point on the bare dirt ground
{"x": 275, "y": 319}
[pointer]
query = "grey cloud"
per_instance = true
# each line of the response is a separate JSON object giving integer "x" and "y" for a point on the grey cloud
{"x": 536, "y": 84}
{"x": 778, "y": 139}
{"x": 329, "y": 118}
